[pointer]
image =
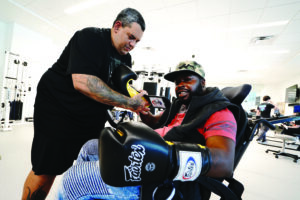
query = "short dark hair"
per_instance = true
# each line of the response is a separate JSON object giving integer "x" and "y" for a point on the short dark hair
{"x": 266, "y": 98}
{"x": 130, "y": 15}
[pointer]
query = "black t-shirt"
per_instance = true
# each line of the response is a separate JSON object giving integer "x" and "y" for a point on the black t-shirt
{"x": 89, "y": 51}
{"x": 265, "y": 109}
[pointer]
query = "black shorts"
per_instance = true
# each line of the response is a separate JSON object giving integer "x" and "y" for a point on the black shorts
{"x": 53, "y": 156}
{"x": 57, "y": 140}
{"x": 59, "y": 132}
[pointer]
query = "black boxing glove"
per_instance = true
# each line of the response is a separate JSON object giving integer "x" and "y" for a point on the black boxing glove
{"x": 134, "y": 154}
{"x": 121, "y": 78}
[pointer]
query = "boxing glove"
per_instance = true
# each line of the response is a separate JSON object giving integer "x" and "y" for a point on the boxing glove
{"x": 134, "y": 154}
{"x": 121, "y": 78}
{"x": 192, "y": 160}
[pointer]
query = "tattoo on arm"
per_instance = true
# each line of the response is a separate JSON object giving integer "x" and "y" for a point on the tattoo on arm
{"x": 98, "y": 90}
{"x": 39, "y": 194}
{"x": 105, "y": 93}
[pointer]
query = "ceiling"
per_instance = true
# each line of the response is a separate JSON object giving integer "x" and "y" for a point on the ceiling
{"x": 236, "y": 41}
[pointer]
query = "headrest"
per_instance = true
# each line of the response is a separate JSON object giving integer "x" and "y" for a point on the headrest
{"x": 237, "y": 94}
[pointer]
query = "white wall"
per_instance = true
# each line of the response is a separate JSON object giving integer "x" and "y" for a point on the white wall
{"x": 5, "y": 38}
{"x": 37, "y": 50}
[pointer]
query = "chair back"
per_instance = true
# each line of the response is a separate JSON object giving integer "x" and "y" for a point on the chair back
{"x": 237, "y": 95}
{"x": 234, "y": 190}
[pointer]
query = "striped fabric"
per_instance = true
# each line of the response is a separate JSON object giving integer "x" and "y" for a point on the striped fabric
{"x": 82, "y": 181}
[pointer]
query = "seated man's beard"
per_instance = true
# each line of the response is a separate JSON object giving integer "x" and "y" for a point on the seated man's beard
{"x": 199, "y": 92}
{"x": 185, "y": 101}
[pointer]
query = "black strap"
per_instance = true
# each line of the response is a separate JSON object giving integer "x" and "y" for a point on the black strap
{"x": 231, "y": 192}
{"x": 235, "y": 186}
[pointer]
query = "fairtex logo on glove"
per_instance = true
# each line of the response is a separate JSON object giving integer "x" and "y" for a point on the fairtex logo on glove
{"x": 133, "y": 171}
{"x": 190, "y": 165}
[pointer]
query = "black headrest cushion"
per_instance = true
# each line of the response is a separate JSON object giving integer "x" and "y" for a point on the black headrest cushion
{"x": 237, "y": 94}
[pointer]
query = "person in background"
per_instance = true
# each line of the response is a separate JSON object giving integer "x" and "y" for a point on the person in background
{"x": 74, "y": 94}
{"x": 264, "y": 111}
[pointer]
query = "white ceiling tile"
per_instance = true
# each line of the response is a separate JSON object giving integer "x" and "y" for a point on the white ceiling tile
{"x": 297, "y": 16}
{"x": 143, "y": 5}
{"x": 281, "y": 2}
{"x": 246, "y": 5}
{"x": 280, "y": 13}
{"x": 23, "y": 2}
{"x": 212, "y": 8}
{"x": 239, "y": 20}
{"x": 169, "y": 3}
{"x": 182, "y": 13}
{"x": 277, "y": 30}
{"x": 55, "y": 5}
{"x": 292, "y": 27}
{"x": 288, "y": 38}
{"x": 219, "y": 23}
{"x": 293, "y": 47}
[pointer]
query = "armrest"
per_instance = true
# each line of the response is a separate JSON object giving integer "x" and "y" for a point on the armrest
{"x": 219, "y": 188}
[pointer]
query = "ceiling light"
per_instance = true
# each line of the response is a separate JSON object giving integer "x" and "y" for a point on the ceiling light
{"x": 257, "y": 26}
{"x": 262, "y": 40}
{"x": 83, "y": 6}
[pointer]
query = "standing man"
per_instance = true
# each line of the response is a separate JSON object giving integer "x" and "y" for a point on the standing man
{"x": 264, "y": 111}
{"x": 73, "y": 96}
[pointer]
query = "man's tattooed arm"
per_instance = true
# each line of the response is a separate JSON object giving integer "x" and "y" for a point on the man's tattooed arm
{"x": 96, "y": 89}
{"x": 39, "y": 194}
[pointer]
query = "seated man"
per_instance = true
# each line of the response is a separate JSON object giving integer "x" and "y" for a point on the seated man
{"x": 198, "y": 115}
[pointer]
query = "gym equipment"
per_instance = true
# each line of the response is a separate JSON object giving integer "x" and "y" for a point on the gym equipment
{"x": 154, "y": 84}
{"x": 286, "y": 139}
{"x": 8, "y": 84}
{"x": 151, "y": 88}
{"x": 13, "y": 91}
{"x": 277, "y": 120}
{"x": 282, "y": 119}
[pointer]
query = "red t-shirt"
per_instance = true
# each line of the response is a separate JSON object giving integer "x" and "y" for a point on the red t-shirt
{"x": 221, "y": 123}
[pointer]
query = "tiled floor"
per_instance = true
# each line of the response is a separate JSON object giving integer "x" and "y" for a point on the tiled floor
{"x": 264, "y": 176}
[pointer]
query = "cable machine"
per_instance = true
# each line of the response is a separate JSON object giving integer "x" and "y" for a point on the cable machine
{"x": 14, "y": 90}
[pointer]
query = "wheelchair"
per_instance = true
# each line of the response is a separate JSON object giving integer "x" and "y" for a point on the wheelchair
{"x": 245, "y": 132}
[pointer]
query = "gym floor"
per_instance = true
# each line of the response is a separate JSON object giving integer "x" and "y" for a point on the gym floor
{"x": 264, "y": 177}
